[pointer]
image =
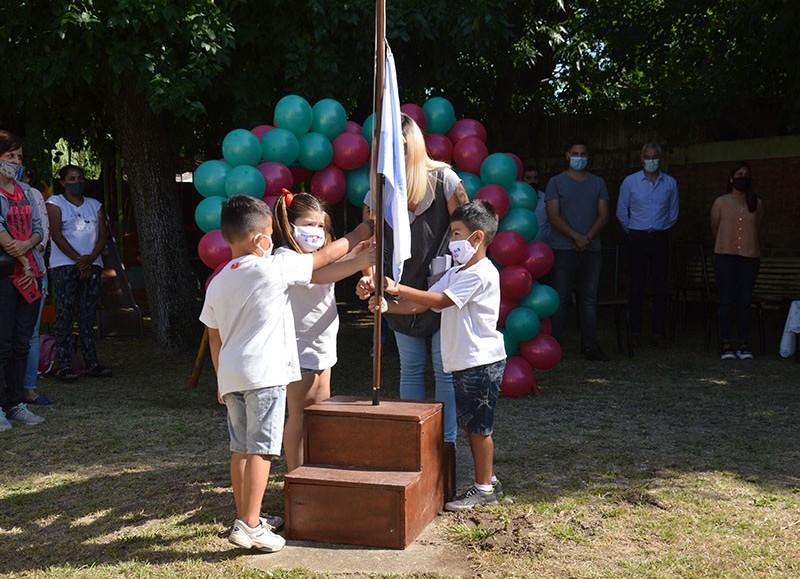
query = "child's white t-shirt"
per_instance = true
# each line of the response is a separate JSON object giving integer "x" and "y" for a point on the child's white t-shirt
{"x": 316, "y": 322}
{"x": 469, "y": 328}
{"x": 248, "y": 302}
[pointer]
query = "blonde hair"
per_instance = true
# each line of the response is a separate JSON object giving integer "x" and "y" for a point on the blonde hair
{"x": 418, "y": 163}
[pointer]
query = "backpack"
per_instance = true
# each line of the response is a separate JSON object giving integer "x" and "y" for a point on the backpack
{"x": 47, "y": 356}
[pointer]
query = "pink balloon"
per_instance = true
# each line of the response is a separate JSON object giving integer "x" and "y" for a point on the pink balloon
{"x": 439, "y": 147}
{"x": 507, "y": 248}
{"x": 538, "y": 259}
{"x": 276, "y": 177}
{"x": 350, "y": 151}
{"x": 469, "y": 154}
{"x": 506, "y": 306}
{"x": 300, "y": 175}
{"x": 518, "y": 163}
{"x": 464, "y": 128}
{"x": 213, "y": 250}
{"x": 261, "y": 130}
{"x": 352, "y": 127}
{"x": 214, "y": 273}
{"x": 518, "y": 379}
{"x": 329, "y": 185}
{"x": 542, "y": 352}
{"x": 498, "y": 198}
{"x": 545, "y": 326}
{"x": 515, "y": 282}
{"x": 415, "y": 112}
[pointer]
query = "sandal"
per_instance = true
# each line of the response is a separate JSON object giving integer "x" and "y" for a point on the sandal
{"x": 66, "y": 375}
{"x": 40, "y": 400}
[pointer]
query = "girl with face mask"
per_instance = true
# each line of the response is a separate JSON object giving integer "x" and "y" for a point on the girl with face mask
{"x": 302, "y": 225}
{"x": 78, "y": 231}
{"x": 735, "y": 219}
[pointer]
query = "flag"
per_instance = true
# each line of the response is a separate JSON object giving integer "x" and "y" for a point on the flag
{"x": 392, "y": 165}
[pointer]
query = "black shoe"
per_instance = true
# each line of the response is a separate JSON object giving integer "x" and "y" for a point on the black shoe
{"x": 595, "y": 355}
{"x": 66, "y": 375}
{"x": 98, "y": 371}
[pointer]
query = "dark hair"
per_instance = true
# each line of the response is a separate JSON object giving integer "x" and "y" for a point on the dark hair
{"x": 750, "y": 198}
{"x": 533, "y": 167}
{"x": 9, "y": 142}
{"x": 575, "y": 141}
{"x": 285, "y": 215}
{"x": 242, "y": 216}
{"x": 62, "y": 172}
{"x": 478, "y": 215}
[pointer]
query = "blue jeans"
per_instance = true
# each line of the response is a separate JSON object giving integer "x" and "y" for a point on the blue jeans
{"x": 413, "y": 359}
{"x": 32, "y": 369}
{"x": 17, "y": 318}
{"x": 476, "y": 396}
{"x": 582, "y": 270}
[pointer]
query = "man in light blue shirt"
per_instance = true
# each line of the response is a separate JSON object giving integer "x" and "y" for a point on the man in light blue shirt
{"x": 647, "y": 209}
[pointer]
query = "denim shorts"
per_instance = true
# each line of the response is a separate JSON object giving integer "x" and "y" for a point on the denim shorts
{"x": 255, "y": 420}
{"x": 476, "y": 395}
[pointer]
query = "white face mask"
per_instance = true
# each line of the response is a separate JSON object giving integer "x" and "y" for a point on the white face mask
{"x": 266, "y": 252}
{"x": 462, "y": 250}
{"x": 11, "y": 170}
{"x": 309, "y": 237}
{"x": 651, "y": 165}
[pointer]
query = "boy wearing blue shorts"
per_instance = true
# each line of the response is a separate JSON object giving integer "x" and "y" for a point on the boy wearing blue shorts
{"x": 468, "y": 297}
{"x": 252, "y": 342}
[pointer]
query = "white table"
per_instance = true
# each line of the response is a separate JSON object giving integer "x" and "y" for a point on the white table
{"x": 790, "y": 341}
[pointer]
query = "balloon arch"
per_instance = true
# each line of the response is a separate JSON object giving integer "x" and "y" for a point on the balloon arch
{"x": 320, "y": 147}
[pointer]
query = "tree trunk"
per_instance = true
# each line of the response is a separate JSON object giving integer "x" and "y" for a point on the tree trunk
{"x": 143, "y": 143}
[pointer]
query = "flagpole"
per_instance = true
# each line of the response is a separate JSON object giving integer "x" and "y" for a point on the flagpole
{"x": 376, "y": 185}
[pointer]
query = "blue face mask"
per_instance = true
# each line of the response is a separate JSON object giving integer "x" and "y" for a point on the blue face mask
{"x": 578, "y": 163}
{"x": 651, "y": 165}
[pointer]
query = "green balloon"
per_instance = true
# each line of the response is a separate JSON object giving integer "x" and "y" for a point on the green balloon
{"x": 441, "y": 115}
{"x": 316, "y": 151}
{"x": 241, "y": 147}
{"x": 328, "y": 118}
{"x": 280, "y": 146}
{"x": 512, "y": 346}
{"x": 367, "y": 128}
{"x": 522, "y": 195}
{"x": 245, "y": 180}
{"x": 522, "y": 324}
{"x": 542, "y": 299}
{"x": 209, "y": 178}
{"x": 471, "y": 183}
{"x": 357, "y": 185}
{"x": 499, "y": 169}
{"x": 523, "y": 221}
{"x": 294, "y": 114}
{"x": 208, "y": 212}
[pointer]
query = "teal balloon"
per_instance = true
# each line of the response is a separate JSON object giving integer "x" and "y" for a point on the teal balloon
{"x": 523, "y": 196}
{"x": 367, "y": 127}
{"x": 357, "y": 185}
{"x": 316, "y": 151}
{"x": 208, "y": 212}
{"x": 280, "y": 146}
{"x": 471, "y": 183}
{"x": 511, "y": 345}
{"x": 245, "y": 180}
{"x": 241, "y": 147}
{"x": 294, "y": 114}
{"x": 209, "y": 178}
{"x": 522, "y": 324}
{"x": 542, "y": 299}
{"x": 328, "y": 118}
{"x": 523, "y": 221}
{"x": 440, "y": 114}
{"x": 499, "y": 169}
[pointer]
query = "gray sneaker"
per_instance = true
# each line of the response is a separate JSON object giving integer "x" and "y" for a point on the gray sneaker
{"x": 4, "y": 423}
{"x": 21, "y": 415}
{"x": 497, "y": 487}
{"x": 259, "y": 537}
{"x": 272, "y": 522}
{"x": 472, "y": 498}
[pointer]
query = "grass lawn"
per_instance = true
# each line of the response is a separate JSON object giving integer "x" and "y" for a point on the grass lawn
{"x": 668, "y": 464}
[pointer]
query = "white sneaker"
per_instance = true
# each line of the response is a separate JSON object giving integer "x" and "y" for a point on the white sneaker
{"x": 259, "y": 537}
{"x": 21, "y": 415}
{"x": 4, "y": 423}
{"x": 272, "y": 522}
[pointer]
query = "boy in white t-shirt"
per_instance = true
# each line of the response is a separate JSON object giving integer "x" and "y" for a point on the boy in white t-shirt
{"x": 468, "y": 296}
{"x": 252, "y": 343}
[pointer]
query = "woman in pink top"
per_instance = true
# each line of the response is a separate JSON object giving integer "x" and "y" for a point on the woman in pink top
{"x": 735, "y": 218}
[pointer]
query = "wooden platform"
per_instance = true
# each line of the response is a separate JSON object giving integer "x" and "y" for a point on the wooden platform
{"x": 373, "y": 475}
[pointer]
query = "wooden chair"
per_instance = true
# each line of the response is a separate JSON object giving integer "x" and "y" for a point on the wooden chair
{"x": 609, "y": 295}
{"x": 686, "y": 280}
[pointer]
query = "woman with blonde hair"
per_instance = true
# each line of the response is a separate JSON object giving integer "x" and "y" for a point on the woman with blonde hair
{"x": 434, "y": 191}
